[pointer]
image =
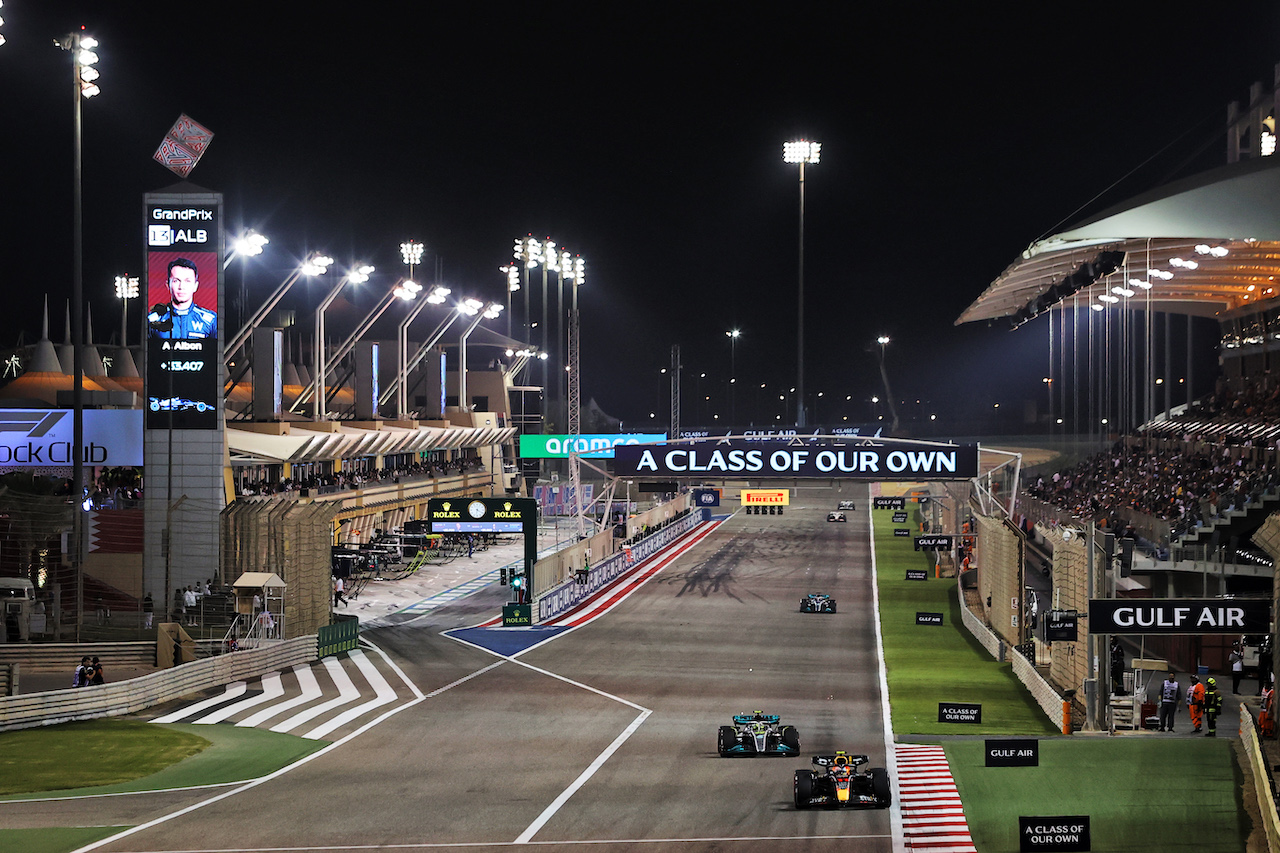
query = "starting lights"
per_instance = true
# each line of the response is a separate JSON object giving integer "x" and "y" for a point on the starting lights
{"x": 517, "y": 581}
{"x": 502, "y": 576}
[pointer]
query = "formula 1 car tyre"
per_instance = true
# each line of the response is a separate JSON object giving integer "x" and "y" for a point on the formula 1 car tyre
{"x": 803, "y": 788}
{"x": 880, "y": 787}
{"x": 726, "y": 740}
{"x": 791, "y": 737}
{"x": 833, "y": 607}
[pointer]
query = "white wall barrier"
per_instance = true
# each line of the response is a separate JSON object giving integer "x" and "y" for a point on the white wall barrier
{"x": 135, "y": 694}
{"x": 1046, "y": 697}
{"x": 563, "y": 598}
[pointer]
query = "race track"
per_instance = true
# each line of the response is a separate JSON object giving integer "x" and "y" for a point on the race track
{"x": 603, "y": 737}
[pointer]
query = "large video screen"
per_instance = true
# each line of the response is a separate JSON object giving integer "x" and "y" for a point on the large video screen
{"x": 181, "y": 320}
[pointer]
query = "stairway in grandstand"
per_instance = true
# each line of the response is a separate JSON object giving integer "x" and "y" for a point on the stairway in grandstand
{"x": 326, "y": 700}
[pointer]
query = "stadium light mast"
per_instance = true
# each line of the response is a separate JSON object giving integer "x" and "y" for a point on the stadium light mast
{"x": 801, "y": 152}
{"x": 83, "y": 74}
{"x": 126, "y": 289}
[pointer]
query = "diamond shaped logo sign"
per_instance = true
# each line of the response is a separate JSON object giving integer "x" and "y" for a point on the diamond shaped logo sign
{"x": 182, "y": 146}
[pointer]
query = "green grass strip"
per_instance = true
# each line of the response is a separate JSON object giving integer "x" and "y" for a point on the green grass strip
{"x": 89, "y": 754}
{"x": 227, "y": 754}
{"x": 1140, "y": 793}
{"x": 929, "y": 664}
{"x": 58, "y": 840}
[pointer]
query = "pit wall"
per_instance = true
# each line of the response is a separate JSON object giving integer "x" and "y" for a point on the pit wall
{"x": 563, "y": 597}
{"x": 551, "y": 571}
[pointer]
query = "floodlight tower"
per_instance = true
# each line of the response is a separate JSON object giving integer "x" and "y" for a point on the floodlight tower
{"x": 83, "y": 75}
{"x": 126, "y": 289}
{"x": 801, "y": 152}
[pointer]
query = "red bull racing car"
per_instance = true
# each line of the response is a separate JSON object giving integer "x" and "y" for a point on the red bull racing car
{"x": 837, "y": 783}
{"x": 757, "y": 734}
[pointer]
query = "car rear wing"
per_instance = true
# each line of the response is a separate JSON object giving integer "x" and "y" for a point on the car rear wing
{"x": 830, "y": 760}
{"x": 747, "y": 719}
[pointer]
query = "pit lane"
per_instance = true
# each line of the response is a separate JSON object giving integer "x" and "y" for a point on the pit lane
{"x": 605, "y": 736}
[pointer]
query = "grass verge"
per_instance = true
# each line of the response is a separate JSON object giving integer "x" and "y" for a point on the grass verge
{"x": 1140, "y": 792}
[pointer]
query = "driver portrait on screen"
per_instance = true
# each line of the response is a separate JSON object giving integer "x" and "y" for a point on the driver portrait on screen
{"x": 181, "y": 317}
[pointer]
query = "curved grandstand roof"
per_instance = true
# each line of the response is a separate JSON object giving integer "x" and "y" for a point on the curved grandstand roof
{"x": 348, "y": 441}
{"x": 1236, "y": 208}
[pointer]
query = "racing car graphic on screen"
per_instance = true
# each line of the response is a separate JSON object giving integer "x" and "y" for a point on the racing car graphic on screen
{"x": 837, "y": 783}
{"x": 817, "y": 602}
{"x": 757, "y": 734}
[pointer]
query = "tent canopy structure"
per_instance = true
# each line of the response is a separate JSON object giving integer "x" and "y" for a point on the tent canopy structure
{"x": 1208, "y": 246}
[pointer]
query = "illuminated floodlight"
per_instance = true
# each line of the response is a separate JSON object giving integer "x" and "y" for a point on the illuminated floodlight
{"x": 1122, "y": 291}
{"x": 1163, "y": 275}
{"x": 1137, "y": 282}
{"x": 1186, "y": 265}
{"x": 1108, "y": 298}
{"x": 492, "y": 311}
{"x": 1096, "y": 307}
{"x": 411, "y": 251}
{"x": 438, "y": 294}
{"x": 250, "y": 243}
{"x": 360, "y": 274}
{"x": 126, "y": 287}
{"x": 801, "y": 151}
{"x": 1213, "y": 251}
{"x": 470, "y": 307}
{"x": 513, "y": 277}
{"x": 407, "y": 290}
{"x": 317, "y": 264}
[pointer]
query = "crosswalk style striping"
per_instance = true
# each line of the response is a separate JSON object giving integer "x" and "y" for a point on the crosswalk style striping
{"x": 932, "y": 815}
{"x": 345, "y": 693}
{"x": 451, "y": 595}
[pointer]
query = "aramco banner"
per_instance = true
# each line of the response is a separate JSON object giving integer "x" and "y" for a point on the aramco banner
{"x": 586, "y": 446}
{"x": 866, "y": 459}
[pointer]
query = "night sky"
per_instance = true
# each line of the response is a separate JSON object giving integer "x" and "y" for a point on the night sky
{"x": 648, "y": 139}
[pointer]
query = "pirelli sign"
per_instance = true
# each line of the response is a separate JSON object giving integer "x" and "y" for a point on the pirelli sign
{"x": 1179, "y": 616}
{"x": 766, "y": 497}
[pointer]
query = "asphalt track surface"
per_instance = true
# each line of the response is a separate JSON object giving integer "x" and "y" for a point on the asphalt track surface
{"x": 601, "y": 737}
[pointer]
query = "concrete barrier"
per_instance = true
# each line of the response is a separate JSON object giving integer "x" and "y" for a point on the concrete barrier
{"x": 63, "y": 657}
{"x": 1045, "y": 695}
{"x": 1261, "y": 773}
{"x": 136, "y": 694}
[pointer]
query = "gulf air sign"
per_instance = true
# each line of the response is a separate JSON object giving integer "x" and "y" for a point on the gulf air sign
{"x": 42, "y": 438}
{"x": 865, "y": 459}
{"x": 586, "y": 446}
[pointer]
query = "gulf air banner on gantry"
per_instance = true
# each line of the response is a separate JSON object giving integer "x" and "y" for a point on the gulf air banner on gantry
{"x": 865, "y": 459}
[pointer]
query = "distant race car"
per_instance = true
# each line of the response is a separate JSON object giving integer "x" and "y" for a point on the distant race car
{"x": 838, "y": 784}
{"x": 817, "y": 602}
{"x": 836, "y": 516}
{"x": 846, "y": 505}
{"x": 757, "y": 734}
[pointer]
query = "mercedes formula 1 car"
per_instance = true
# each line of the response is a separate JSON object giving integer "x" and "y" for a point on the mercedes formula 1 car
{"x": 816, "y": 602}
{"x": 837, "y": 783}
{"x": 846, "y": 505}
{"x": 757, "y": 734}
